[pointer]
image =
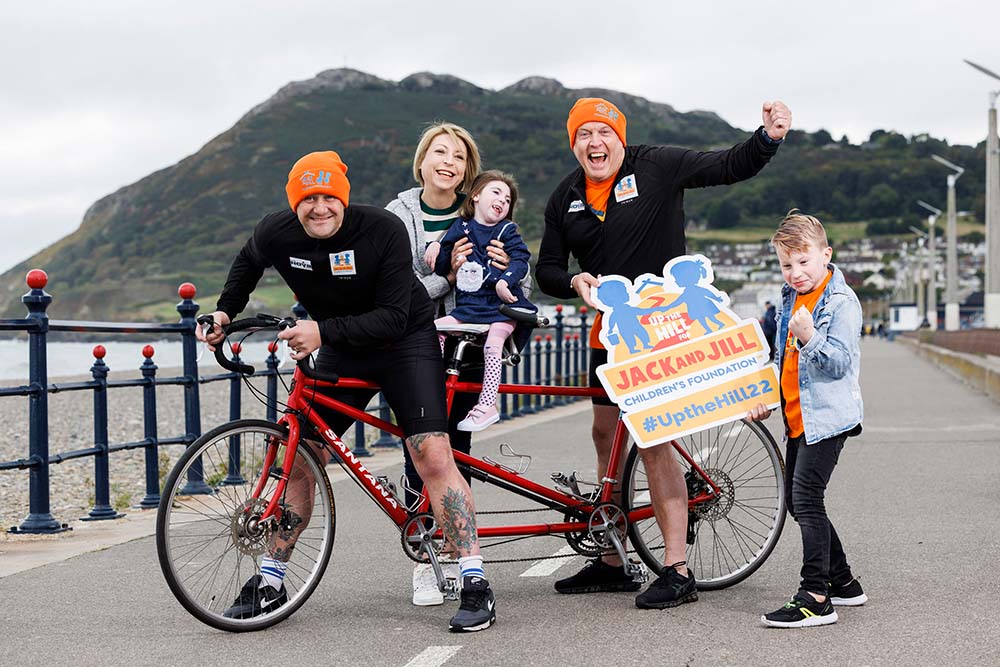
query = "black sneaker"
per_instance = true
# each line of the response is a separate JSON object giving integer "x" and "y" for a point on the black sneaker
{"x": 597, "y": 577}
{"x": 848, "y": 595}
{"x": 670, "y": 589}
{"x": 802, "y": 611}
{"x": 478, "y": 608}
{"x": 254, "y": 600}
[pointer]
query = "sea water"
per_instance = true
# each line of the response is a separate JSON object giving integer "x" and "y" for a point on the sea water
{"x": 68, "y": 358}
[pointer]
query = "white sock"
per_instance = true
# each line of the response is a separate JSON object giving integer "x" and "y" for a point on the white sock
{"x": 471, "y": 566}
{"x": 272, "y": 572}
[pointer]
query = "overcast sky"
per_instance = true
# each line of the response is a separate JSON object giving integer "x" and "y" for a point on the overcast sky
{"x": 97, "y": 95}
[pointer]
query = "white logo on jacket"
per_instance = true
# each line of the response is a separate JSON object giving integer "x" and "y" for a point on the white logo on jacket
{"x": 297, "y": 263}
{"x": 575, "y": 206}
{"x": 342, "y": 263}
{"x": 626, "y": 189}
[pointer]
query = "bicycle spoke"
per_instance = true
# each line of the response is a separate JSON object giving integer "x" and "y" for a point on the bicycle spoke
{"x": 737, "y": 528}
{"x": 210, "y": 545}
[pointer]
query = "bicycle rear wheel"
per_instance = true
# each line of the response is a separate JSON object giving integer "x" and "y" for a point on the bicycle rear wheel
{"x": 728, "y": 537}
{"x": 208, "y": 540}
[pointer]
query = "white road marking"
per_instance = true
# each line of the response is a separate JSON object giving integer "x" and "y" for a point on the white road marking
{"x": 544, "y": 568}
{"x": 433, "y": 656}
{"x": 943, "y": 429}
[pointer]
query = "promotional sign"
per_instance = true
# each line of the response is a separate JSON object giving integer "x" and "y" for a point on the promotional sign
{"x": 679, "y": 360}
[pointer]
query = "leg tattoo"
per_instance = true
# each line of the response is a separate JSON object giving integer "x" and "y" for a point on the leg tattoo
{"x": 286, "y": 534}
{"x": 417, "y": 440}
{"x": 283, "y": 553}
{"x": 458, "y": 520}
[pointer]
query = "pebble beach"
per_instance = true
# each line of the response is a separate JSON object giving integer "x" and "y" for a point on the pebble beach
{"x": 71, "y": 427}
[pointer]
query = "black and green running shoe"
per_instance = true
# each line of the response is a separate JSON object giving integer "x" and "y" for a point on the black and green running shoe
{"x": 802, "y": 611}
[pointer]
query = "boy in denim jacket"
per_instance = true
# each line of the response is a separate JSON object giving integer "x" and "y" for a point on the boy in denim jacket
{"x": 817, "y": 352}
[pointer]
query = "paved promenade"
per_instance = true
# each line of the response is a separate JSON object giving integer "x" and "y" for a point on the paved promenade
{"x": 915, "y": 500}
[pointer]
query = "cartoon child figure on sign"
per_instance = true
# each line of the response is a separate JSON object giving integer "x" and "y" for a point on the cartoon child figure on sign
{"x": 700, "y": 301}
{"x": 679, "y": 359}
{"x": 624, "y": 320}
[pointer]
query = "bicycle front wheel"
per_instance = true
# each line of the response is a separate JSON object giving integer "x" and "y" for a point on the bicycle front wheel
{"x": 730, "y": 536}
{"x": 208, "y": 537}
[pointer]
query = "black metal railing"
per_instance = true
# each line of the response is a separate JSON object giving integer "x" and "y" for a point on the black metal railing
{"x": 555, "y": 356}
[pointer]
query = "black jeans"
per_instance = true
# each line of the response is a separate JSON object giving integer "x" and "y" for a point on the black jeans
{"x": 807, "y": 473}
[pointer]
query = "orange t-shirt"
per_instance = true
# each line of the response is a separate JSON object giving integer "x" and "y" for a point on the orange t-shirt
{"x": 595, "y": 331}
{"x": 790, "y": 364}
{"x": 598, "y": 194}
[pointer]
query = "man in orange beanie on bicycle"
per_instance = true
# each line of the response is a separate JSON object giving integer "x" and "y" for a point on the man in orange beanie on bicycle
{"x": 350, "y": 267}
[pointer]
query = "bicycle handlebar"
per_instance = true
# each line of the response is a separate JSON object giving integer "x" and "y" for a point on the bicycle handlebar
{"x": 262, "y": 321}
{"x": 524, "y": 315}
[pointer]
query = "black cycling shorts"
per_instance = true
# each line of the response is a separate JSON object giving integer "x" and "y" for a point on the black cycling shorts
{"x": 410, "y": 373}
{"x": 598, "y": 357}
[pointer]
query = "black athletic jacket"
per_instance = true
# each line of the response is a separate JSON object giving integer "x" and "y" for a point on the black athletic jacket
{"x": 358, "y": 284}
{"x": 643, "y": 228}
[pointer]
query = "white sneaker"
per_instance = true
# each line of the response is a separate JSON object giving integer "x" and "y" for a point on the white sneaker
{"x": 425, "y": 586}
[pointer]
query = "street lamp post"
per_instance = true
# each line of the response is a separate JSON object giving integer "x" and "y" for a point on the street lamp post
{"x": 923, "y": 303}
{"x": 906, "y": 279}
{"x": 991, "y": 301}
{"x": 919, "y": 281}
{"x": 932, "y": 251}
{"x": 951, "y": 254}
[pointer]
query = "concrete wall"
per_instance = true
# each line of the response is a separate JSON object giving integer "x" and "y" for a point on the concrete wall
{"x": 978, "y": 371}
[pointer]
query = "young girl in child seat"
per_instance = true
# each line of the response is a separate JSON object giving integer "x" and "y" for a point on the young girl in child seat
{"x": 481, "y": 288}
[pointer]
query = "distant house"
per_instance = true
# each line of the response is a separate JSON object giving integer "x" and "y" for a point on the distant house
{"x": 878, "y": 281}
{"x": 903, "y": 317}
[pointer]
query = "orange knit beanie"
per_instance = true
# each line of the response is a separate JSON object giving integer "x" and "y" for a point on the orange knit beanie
{"x": 589, "y": 109}
{"x": 318, "y": 173}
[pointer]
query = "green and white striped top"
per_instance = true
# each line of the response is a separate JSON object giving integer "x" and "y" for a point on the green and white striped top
{"x": 438, "y": 220}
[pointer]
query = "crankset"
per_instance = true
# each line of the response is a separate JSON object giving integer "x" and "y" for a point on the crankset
{"x": 419, "y": 544}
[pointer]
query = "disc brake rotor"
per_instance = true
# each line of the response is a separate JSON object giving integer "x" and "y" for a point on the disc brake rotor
{"x": 719, "y": 507}
{"x": 249, "y": 535}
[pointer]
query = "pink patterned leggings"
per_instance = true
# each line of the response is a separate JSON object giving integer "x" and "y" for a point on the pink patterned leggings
{"x": 492, "y": 351}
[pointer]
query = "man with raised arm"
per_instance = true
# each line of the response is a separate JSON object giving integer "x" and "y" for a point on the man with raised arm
{"x": 621, "y": 212}
{"x": 350, "y": 267}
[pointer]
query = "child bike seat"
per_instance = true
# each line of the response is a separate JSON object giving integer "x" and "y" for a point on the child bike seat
{"x": 462, "y": 328}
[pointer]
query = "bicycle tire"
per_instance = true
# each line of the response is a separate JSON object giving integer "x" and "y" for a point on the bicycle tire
{"x": 205, "y": 569}
{"x": 734, "y": 534}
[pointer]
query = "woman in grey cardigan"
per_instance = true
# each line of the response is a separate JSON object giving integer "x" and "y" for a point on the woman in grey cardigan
{"x": 445, "y": 164}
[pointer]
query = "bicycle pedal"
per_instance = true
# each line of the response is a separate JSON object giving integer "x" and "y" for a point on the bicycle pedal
{"x": 638, "y": 572}
{"x": 561, "y": 482}
{"x": 452, "y": 589}
{"x": 388, "y": 484}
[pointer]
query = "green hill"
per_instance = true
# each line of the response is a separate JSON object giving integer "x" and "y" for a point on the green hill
{"x": 186, "y": 222}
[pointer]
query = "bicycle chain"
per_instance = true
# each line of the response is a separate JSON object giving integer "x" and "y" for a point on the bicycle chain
{"x": 529, "y": 558}
{"x": 524, "y": 560}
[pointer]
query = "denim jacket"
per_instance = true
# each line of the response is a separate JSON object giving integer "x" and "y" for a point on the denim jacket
{"x": 829, "y": 363}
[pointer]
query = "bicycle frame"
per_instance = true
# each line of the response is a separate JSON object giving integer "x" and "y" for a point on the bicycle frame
{"x": 306, "y": 392}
